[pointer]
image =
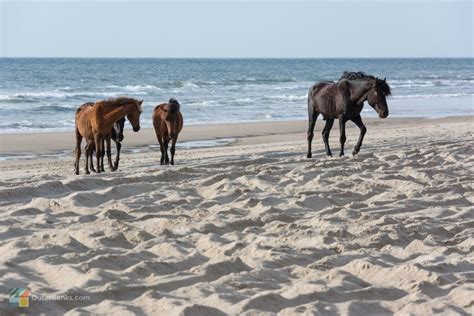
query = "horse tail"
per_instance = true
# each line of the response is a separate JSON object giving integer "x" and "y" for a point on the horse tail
{"x": 310, "y": 103}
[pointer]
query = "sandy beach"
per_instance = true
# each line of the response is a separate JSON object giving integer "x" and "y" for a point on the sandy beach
{"x": 252, "y": 227}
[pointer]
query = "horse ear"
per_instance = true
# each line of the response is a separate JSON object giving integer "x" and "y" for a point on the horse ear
{"x": 140, "y": 102}
{"x": 384, "y": 79}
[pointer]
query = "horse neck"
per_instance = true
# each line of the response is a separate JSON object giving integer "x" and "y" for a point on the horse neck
{"x": 113, "y": 114}
{"x": 360, "y": 91}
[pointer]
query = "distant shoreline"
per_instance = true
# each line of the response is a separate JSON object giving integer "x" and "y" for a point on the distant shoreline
{"x": 232, "y": 58}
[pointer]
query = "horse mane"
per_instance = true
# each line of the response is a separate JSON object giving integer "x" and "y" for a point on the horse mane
{"x": 354, "y": 75}
{"x": 174, "y": 105}
{"x": 121, "y": 101}
{"x": 359, "y": 75}
{"x": 174, "y": 102}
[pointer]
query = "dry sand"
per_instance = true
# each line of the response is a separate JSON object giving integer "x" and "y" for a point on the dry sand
{"x": 249, "y": 228}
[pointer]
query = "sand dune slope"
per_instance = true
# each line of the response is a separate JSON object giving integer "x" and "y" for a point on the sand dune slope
{"x": 250, "y": 229}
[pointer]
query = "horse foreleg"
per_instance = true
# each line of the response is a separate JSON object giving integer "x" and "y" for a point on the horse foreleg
{"x": 102, "y": 155}
{"x": 78, "y": 151}
{"x": 173, "y": 149}
{"x": 342, "y": 130}
{"x": 326, "y": 130}
{"x": 98, "y": 150}
{"x": 312, "y": 115}
{"x": 358, "y": 121}
{"x": 109, "y": 154}
{"x": 117, "y": 156}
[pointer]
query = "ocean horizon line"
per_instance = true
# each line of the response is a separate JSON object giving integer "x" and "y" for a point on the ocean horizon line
{"x": 232, "y": 58}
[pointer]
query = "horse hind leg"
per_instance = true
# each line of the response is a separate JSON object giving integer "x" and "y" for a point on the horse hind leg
{"x": 173, "y": 149}
{"x": 78, "y": 151}
{"x": 162, "y": 147}
{"x": 166, "y": 144}
{"x": 89, "y": 148}
{"x": 91, "y": 157}
{"x": 312, "y": 115}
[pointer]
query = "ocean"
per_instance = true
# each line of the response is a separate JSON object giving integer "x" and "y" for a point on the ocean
{"x": 41, "y": 94}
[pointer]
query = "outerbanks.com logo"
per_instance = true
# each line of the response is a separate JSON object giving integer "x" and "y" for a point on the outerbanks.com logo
{"x": 19, "y": 297}
{"x": 22, "y": 297}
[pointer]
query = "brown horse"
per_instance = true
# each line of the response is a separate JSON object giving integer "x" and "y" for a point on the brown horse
{"x": 344, "y": 100}
{"x": 168, "y": 123}
{"x": 116, "y": 135}
{"x": 94, "y": 123}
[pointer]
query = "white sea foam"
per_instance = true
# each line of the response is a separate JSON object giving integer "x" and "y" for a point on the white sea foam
{"x": 134, "y": 88}
{"x": 431, "y": 96}
{"x": 287, "y": 97}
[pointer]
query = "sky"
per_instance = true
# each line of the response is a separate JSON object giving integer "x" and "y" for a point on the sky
{"x": 222, "y": 29}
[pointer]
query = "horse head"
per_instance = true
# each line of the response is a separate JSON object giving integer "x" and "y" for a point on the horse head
{"x": 133, "y": 115}
{"x": 377, "y": 97}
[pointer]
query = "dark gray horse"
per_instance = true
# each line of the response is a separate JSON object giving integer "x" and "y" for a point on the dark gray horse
{"x": 344, "y": 100}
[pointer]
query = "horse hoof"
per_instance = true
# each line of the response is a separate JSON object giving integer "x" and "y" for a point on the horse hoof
{"x": 341, "y": 154}
{"x": 76, "y": 173}
{"x": 86, "y": 172}
{"x": 354, "y": 153}
{"x": 172, "y": 163}
{"x": 309, "y": 156}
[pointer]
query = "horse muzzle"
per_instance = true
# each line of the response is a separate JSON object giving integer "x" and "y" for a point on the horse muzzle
{"x": 383, "y": 114}
{"x": 136, "y": 128}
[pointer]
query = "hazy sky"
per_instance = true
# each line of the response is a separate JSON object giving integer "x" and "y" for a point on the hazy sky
{"x": 106, "y": 28}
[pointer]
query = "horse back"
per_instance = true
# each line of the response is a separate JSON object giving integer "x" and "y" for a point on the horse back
{"x": 159, "y": 112}
{"x": 83, "y": 119}
{"x": 158, "y": 118}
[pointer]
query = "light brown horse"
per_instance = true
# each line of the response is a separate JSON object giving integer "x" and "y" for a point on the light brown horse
{"x": 116, "y": 135}
{"x": 168, "y": 123}
{"x": 94, "y": 123}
